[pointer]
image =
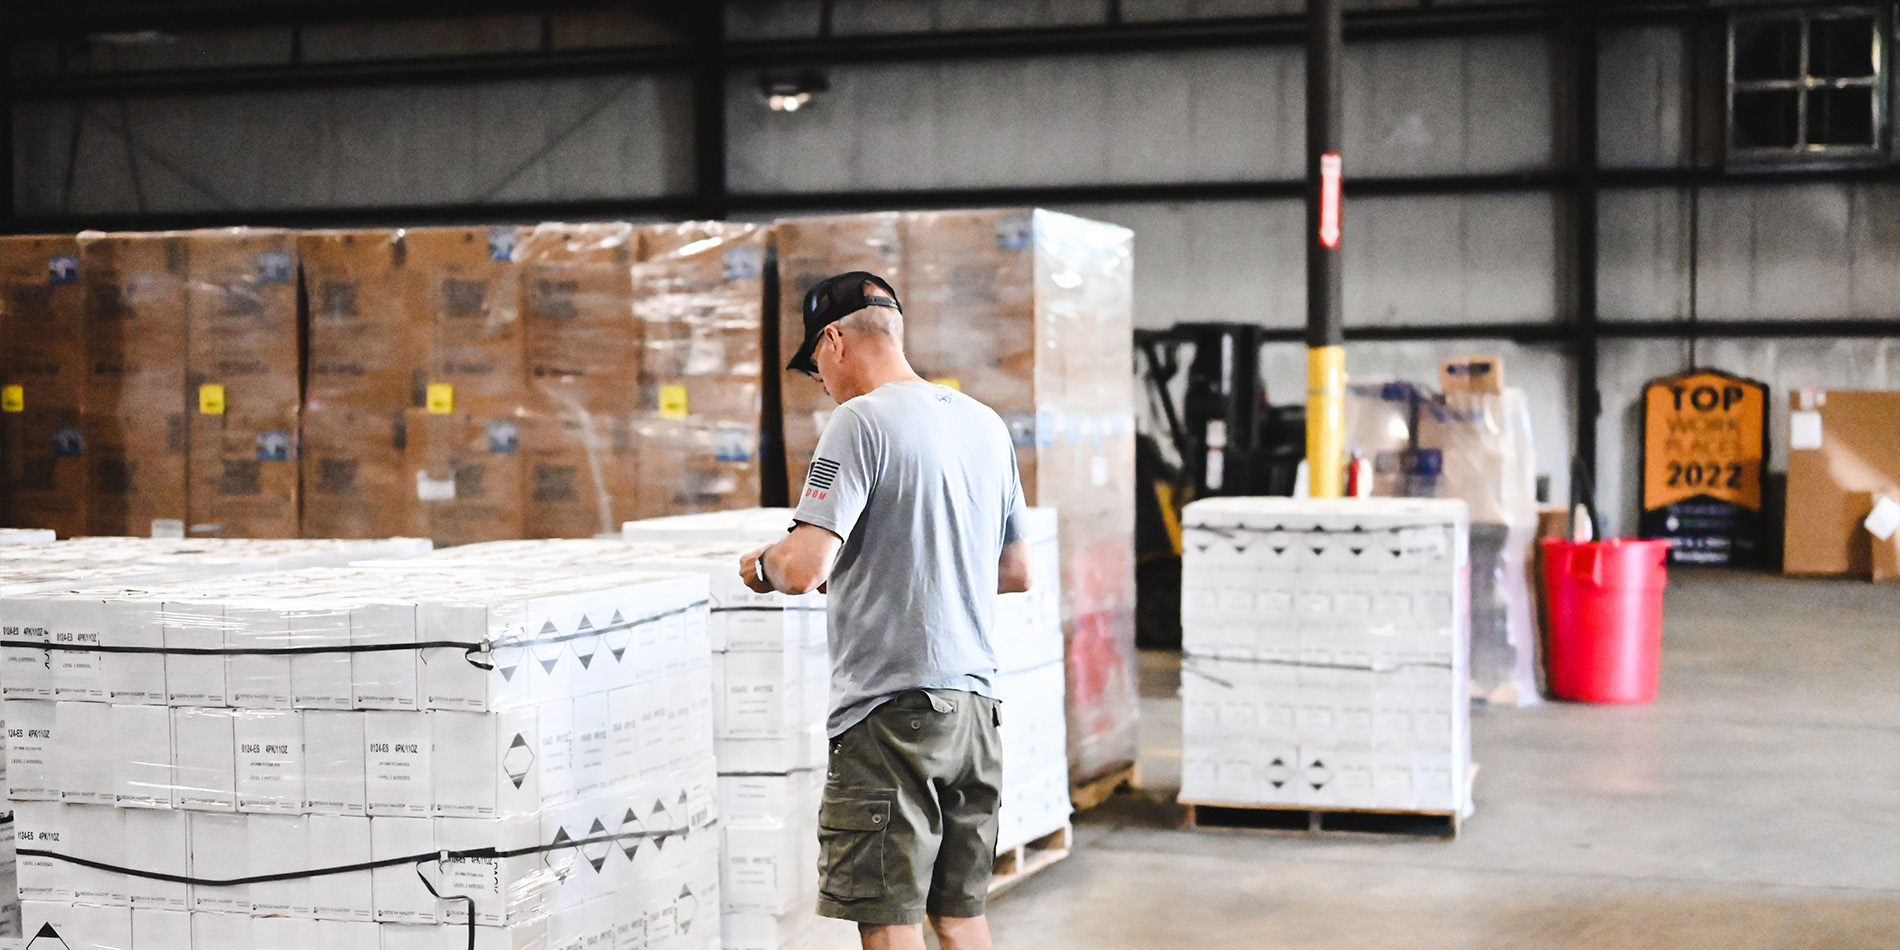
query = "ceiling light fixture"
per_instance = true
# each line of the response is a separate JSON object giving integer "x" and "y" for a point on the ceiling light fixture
{"x": 791, "y": 92}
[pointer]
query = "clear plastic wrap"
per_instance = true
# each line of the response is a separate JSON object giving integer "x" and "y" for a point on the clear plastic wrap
{"x": 699, "y": 296}
{"x": 43, "y": 383}
{"x": 583, "y": 366}
{"x": 535, "y": 745}
{"x": 1030, "y": 312}
{"x": 1476, "y": 447}
{"x": 1324, "y": 650}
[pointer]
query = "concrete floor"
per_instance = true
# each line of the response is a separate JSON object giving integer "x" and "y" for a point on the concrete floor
{"x": 1756, "y": 804}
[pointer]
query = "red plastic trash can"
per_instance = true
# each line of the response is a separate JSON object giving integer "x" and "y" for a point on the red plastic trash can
{"x": 1605, "y": 604}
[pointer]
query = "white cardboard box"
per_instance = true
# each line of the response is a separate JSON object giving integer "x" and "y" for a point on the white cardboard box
{"x": 269, "y": 761}
{"x": 159, "y": 841}
{"x": 486, "y": 764}
{"x": 335, "y": 754}
{"x": 204, "y": 744}
{"x": 86, "y": 753}
{"x": 143, "y": 743}
{"x": 398, "y": 759}
{"x": 341, "y": 841}
{"x": 32, "y": 754}
{"x": 401, "y": 895}
{"x": 280, "y": 844}
{"x": 220, "y": 851}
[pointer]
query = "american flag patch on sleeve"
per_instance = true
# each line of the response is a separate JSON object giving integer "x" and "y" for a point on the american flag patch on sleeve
{"x": 818, "y": 481}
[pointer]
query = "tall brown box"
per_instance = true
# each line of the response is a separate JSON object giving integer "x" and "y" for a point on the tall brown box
{"x": 243, "y": 362}
{"x": 137, "y": 407}
{"x": 699, "y": 297}
{"x": 583, "y": 345}
{"x": 369, "y": 336}
{"x": 42, "y": 336}
{"x": 578, "y": 472}
{"x": 1842, "y": 450}
{"x": 1030, "y": 312}
{"x": 471, "y": 291}
{"x": 465, "y": 473}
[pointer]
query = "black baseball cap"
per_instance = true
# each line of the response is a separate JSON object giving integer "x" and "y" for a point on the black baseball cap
{"x": 834, "y": 299}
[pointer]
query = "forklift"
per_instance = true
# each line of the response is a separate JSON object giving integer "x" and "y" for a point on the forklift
{"x": 1225, "y": 438}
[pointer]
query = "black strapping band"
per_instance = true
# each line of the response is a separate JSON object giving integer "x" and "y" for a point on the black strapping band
{"x": 418, "y": 860}
{"x": 470, "y": 650}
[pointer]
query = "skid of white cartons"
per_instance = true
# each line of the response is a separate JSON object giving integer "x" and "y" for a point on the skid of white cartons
{"x": 1325, "y": 650}
{"x": 1031, "y": 682}
{"x": 769, "y": 696}
{"x": 407, "y": 757}
{"x": 30, "y": 563}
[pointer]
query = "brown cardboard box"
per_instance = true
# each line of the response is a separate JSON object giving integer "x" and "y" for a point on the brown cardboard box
{"x": 243, "y": 342}
{"x": 464, "y": 470}
{"x": 369, "y": 339}
{"x": 356, "y": 482}
{"x": 137, "y": 407}
{"x": 578, "y": 473}
{"x": 699, "y": 296}
{"x": 472, "y": 292}
{"x": 1841, "y": 448}
{"x": 42, "y": 336}
{"x": 1029, "y": 312}
{"x": 583, "y": 345}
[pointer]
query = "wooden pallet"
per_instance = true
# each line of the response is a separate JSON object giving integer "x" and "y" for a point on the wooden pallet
{"x": 1017, "y": 864}
{"x": 1306, "y": 819}
{"x": 1091, "y": 792}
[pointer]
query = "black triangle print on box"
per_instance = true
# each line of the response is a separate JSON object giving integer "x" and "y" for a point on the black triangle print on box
{"x": 518, "y": 760}
{"x": 619, "y": 638}
{"x": 47, "y": 938}
{"x": 585, "y": 645}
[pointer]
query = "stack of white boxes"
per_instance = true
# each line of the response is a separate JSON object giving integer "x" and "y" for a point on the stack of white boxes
{"x": 1031, "y": 681}
{"x": 30, "y": 562}
{"x": 772, "y": 741}
{"x": 769, "y": 696}
{"x": 1325, "y": 651}
{"x": 583, "y": 757}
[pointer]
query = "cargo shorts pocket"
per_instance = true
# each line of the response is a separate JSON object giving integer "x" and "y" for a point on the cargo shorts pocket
{"x": 851, "y": 833}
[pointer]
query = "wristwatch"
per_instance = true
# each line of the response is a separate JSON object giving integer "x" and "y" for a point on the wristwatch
{"x": 761, "y": 567}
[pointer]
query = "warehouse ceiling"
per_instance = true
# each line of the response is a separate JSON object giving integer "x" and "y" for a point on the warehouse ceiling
{"x": 94, "y": 17}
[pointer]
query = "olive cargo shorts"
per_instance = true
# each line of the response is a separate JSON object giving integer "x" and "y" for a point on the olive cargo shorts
{"x": 908, "y": 824}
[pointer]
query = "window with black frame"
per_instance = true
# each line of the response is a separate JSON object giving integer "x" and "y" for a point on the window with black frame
{"x": 1807, "y": 86}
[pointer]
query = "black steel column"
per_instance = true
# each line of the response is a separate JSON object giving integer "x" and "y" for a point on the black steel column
{"x": 1584, "y": 46}
{"x": 6, "y": 121}
{"x": 709, "y": 110}
{"x": 1325, "y": 331}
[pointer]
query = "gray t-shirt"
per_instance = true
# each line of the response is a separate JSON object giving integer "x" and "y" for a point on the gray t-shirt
{"x": 920, "y": 483}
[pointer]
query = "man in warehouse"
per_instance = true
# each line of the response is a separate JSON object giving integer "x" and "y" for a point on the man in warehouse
{"x": 911, "y": 519}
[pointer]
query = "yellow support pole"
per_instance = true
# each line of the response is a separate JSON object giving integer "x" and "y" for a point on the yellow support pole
{"x": 1326, "y": 421}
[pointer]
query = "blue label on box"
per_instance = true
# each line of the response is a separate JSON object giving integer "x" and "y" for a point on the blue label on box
{"x": 501, "y": 243}
{"x": 68, "y": 441}
{"x": 275, "y": 268}
{"x": 744, "y": 263}
{"x": 503, "y": 436}
{"x": 273, "y": 445}
{"x": 63, "y": 269}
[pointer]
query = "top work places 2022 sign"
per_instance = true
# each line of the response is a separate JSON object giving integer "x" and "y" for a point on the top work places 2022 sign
{"x": 1705, "y": 446}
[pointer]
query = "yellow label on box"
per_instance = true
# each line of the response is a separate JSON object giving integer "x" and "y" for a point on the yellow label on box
{"x": 955, "y": 384}
{"x": 441, "y": 399}
{"x": 672, "y": 402}
{"x": 211, "y": 399}
{"x": 12, "y": 399}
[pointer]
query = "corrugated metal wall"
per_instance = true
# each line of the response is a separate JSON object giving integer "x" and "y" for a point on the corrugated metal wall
{"x": 1425, "y": 107}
